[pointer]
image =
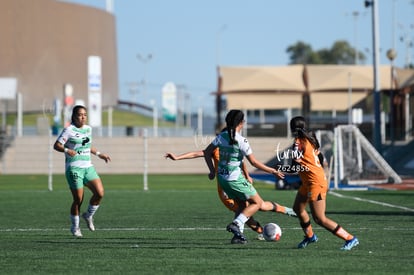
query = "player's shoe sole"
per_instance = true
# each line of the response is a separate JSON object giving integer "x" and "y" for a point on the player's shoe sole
{"x": 238, "y": 240}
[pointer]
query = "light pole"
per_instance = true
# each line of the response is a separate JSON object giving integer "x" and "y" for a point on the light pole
{"x": 133, "y": 91}
{"x": 218, "y": 93}
{"x": 218, "y": 43}
{"x": 391, "y": 55}
{"x": 181, "y": 104}
{"x": 145, "y": 60}
{"x": 154, "y": 117}
{"x": 356, "y": 14}
{"x": 187, "y": 109}
{"x": 408, "y": 44}
{"x": 377, "y": 97}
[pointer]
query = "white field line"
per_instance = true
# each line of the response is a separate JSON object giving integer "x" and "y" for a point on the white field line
{"x": 132, "y": 229}
{"x": 372, "y": 201}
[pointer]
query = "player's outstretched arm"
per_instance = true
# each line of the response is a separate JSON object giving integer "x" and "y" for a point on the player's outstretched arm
{"x": 188, "y": 155}
{"x": 208, "y": 157}
{"x": 256, "y": 163}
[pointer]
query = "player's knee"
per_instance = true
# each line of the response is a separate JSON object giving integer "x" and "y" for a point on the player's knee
{"x": 100, "y": 195}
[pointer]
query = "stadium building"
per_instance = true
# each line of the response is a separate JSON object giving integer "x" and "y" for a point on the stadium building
{"x": 46, "y": 45}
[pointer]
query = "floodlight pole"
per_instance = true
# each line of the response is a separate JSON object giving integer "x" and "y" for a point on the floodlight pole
{"x": 219, "y": 105}
{"x": 356, "y": 57}
{"x": 145, "y": 60}
{"x": 145, "y": 173}
{"x": 377, "y": 96}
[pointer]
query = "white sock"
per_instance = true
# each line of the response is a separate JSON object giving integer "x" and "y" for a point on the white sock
{"x": 240, "y": 220}
{"x": 92, "y": 209}
{"x": 75, "y": 221}
{"x": 242, "y": 228}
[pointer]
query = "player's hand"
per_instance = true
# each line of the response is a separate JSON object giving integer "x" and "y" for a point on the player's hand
{"x": 278, "y": 174}
{"x": 170, "y": 156}
{"x": 105, "y": 157}
{"x": 211, "y": 175}
{"x": 71, "y": 152}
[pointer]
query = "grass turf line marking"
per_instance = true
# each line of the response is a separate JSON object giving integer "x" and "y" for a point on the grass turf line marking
{"x": 372, "y": 201}
{"x": 389, "y": 228}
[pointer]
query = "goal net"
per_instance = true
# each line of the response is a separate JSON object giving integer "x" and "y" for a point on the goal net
{"x": 352, "y": 159}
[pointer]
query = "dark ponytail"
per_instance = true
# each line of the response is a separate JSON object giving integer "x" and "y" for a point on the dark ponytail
{"x": 233, "y": 119}
{"x": 298, "y": 129}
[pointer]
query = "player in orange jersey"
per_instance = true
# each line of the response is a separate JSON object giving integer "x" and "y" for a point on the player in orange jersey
{"x": 229, "y": 203}
{"x": 307, "y": 158}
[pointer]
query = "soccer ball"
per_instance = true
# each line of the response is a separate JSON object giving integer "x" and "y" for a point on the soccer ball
{"x": 272, "y": 232}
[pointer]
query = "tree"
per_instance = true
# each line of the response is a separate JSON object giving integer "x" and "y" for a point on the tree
{"x": 340, "y": 53}
{"x": 302, "y": 53}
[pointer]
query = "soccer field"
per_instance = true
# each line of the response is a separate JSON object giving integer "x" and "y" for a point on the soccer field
{"x": 178, "y": 227}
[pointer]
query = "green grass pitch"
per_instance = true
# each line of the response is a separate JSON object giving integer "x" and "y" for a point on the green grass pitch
{"x": 178, "y": 227}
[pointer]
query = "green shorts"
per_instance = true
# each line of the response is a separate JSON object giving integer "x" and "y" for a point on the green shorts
{"x": 78, "y": 177}
{"x": 238, "y": 189}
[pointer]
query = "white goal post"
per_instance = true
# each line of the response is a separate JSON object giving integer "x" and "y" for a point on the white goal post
{"x": 355, "y": 160}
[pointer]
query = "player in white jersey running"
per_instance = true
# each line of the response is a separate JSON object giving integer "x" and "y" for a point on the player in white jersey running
{"x": 233, "y": 148}
{"x": 75, "y": 142}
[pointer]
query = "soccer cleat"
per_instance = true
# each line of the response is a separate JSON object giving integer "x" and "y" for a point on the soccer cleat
{"x": 233, "y": 228}
{"x": 307, "y": 241}
{"x": 350, "y": 244}
{"x": 238, "y": 240}
{"x": 76, "y": 232}
{"x": 290, "y": 212}
{"x": 260, "y": 237}
{"x": 89, "y": 221}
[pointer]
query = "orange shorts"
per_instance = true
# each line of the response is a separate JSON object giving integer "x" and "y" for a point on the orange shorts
{"x": 313, "y": 191}
{"x": 229, "y": 203}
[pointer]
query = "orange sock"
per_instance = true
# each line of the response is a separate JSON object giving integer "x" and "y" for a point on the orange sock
{"x": 279, "y": 208}
{"x": 254, "y": 225}
{"x": 342, "y": 233}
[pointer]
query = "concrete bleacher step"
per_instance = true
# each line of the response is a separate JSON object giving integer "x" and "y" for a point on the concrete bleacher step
{"x": 34, "y": 154}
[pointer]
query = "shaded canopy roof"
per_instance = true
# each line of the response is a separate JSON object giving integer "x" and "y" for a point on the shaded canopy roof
{"x": 329, "y": 86}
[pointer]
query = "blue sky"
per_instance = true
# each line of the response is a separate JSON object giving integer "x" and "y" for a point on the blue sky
{"x": 188, "y": 38}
